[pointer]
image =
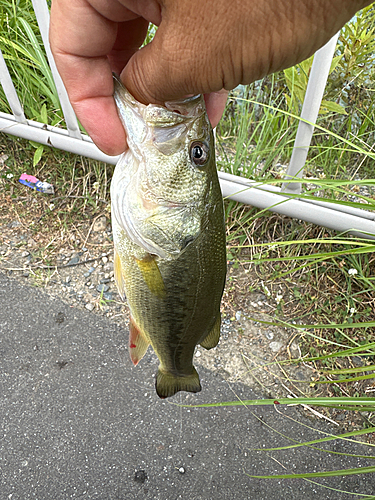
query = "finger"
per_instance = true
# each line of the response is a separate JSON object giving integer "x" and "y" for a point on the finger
{"x": 215, "y": 105}
{"x": 81, "y": 58}
{"x": 201, "y": 49}
{"x": 179, "y": 59}
{"x": 130, "y": 36}
{"x": 77, "y": 28}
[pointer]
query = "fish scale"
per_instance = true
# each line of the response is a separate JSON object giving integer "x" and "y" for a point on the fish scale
{"x": 169, "y": 235}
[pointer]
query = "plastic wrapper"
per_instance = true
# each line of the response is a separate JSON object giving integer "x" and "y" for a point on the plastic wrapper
{"x": 34, "y": 183}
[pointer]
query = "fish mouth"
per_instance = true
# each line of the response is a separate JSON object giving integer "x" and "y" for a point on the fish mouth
{"x": 172, "y": 113}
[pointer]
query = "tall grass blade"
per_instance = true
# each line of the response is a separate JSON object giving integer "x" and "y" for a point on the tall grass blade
{"x": 332, "y": 473}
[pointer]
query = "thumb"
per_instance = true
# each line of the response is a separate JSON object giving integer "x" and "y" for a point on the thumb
{"x": 153, "y": 75}
{"x": 178, "y": 62}
{"x": 155, "y": 83}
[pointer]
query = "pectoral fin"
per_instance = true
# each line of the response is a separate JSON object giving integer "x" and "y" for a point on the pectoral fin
{"x": 137, "y": 343}
{"x": 118, "y": 275}
{"x": 152, "y": 276}
{"x": 213, "y": 337}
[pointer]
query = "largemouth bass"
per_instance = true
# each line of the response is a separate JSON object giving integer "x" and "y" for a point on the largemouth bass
{"x": 169, "y": 235}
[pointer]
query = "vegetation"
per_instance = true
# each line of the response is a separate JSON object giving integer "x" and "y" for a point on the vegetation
{"x": 330, "y": 276}
{"x": 323, "y": 283}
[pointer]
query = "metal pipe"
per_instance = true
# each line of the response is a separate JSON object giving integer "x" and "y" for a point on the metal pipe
{"x": 310, "y": 110}
{"x": 241, "y": 181}
{"x": 53, "y": 136}
{"x": 299, "y": 209}
{"x": 10, "y": 91}
{"x": 42, "y": 15}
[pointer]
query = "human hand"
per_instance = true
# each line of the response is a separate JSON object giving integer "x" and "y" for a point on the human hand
{"x": 201, "y": 46}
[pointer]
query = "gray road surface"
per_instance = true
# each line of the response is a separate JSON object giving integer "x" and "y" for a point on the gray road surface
{"x": 79, "y": 421}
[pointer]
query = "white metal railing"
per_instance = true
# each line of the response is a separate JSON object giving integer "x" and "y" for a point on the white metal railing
{"x": 282, "y": 199}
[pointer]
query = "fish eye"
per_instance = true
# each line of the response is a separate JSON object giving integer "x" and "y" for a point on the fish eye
{"x": 199, "y": 153}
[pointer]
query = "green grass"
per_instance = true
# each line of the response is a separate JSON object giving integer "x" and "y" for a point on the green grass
{"x": 23, "y": 50}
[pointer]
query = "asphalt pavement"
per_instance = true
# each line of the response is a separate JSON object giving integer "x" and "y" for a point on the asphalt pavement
{"x": 79, "y": 421}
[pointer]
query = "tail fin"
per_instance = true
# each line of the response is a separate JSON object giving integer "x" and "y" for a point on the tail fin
{"x": 168, "y": 384}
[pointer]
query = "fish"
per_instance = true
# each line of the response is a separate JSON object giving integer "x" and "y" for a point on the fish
{"x": 169, "y": 235}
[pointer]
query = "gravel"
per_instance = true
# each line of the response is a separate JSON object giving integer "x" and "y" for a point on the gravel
{"x": 82, "y": 275}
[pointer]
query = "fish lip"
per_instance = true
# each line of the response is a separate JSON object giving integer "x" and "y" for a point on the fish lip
{"x": 197, "y": 98}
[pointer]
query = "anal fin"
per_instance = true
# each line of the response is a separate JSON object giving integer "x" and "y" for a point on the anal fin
{"x": 213, "y": 337}
{"x": 137, "y": 343}
{"x": 152, "y": 275}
